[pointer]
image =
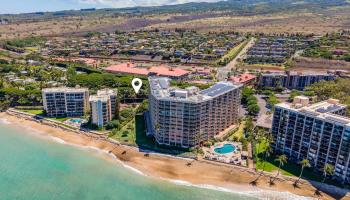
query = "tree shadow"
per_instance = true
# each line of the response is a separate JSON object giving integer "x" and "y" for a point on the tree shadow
{"x": 330, "y": 190}
{"x": 295, "y": 185}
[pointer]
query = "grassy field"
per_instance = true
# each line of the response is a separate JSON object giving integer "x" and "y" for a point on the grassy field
{"x": 289, "y": 169}
{"x": 34, "y": 112}
{"x": 238, "y": 134}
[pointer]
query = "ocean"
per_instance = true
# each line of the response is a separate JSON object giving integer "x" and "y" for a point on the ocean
{"x": 35, "y": 168}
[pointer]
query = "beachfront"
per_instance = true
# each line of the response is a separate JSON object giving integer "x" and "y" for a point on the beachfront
{"x": 167, "y": 167}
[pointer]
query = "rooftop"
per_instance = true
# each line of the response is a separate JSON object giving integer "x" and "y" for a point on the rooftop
{"x": 164, "y": 70}
{"x": 128, "y": 68}
{"x": 107, "y": 92}
{"x": 161, "y": 89}
{"x": 64, "y": 89}
{"x": 242, "y": 78}
{"x": 325, "y": 110}
{"x": 161, "y": 70}
{"x": 95, "y": 98}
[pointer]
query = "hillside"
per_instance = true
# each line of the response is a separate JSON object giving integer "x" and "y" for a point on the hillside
{"x": 309, "y": 16}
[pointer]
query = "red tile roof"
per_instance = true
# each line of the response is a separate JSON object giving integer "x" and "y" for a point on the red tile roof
{"x": 128, "y": 68}
{"x": 162, "y": 70}
{"x": 243, "y": 78}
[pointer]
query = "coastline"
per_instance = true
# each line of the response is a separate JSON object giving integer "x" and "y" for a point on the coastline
{"x": 199, "y": 174}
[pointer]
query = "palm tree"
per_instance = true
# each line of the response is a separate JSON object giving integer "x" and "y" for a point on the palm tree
{"x": 268, "y": 152}
{"x": 304, "y": 163}
{"x": 282, "y": 159}
{"x": 328, "y": 169}
{"x": 259, "y": 137}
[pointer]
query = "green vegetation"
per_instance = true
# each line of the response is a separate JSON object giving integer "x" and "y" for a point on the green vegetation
{"x": 95, "y": 81}
{"x": 238, "y": 134}
{"x": 184, "y": 85}
{"x": 126, "y": 134}
{"x": 338, "y": 89}
{"x": 293, "y": 94}
{"x": 232, "y": 54}
{"x": 11, "y": 96}
{"x": 268, "y": 163}
{"x": 331, "y": 46}
{"x": 26, "y": 42}
{"x": 34, "y": 112}
{"x": 272, "y": 100}
{"x": 250, "y": 101}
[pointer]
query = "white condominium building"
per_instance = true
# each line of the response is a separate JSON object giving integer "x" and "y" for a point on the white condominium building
{"x": 318, "y": 132}
{"x": 103, "y": 106}
{"x": 187, "y": 117}
{"x": 65, "y": 102}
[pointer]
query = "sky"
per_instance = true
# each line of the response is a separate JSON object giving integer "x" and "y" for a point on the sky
{"x": 25, "y": 6}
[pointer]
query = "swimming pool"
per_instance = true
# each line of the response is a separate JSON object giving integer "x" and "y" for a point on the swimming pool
{"x": 76, "y": 121}
{"x": 227, "y": 148}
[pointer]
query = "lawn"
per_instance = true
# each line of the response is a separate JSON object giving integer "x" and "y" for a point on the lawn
{"x": 136, "y": 135}
{"x": 34, "y": 112}
{"x": 127, "y": 133}
{"x": 289, "y": 169}
{"x": 61, "y": 119}
{"x": 238, "y": 134}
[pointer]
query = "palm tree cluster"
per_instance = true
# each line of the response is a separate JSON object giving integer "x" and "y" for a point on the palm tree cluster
{"x": 263, "y": 137}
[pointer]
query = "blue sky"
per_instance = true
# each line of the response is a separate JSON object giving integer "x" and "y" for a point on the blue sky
{"x": 24, "y": 6}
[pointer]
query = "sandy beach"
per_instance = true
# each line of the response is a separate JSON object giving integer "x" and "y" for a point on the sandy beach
{"x": 200, "y": 173}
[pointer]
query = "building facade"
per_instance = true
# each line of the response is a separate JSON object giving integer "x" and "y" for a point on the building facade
{"x": 187, "y": 117}
{"x": 103, "y": 107}
{"x": 319, "y": 132}
{"x": 65, "y": 102}
{"x": 293, "y": 80}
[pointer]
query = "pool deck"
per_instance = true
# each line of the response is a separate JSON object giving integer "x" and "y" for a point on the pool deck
{"x": 237, "y": 157}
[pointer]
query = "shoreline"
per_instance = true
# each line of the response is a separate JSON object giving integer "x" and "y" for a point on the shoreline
{"x": 199, "y": 174}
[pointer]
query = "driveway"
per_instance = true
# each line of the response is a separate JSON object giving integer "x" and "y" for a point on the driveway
{"x": 264, "y": 120}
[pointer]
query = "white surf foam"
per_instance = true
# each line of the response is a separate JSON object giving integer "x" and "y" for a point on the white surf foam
{"x": 258, "y": 193}
{"x": 4, "y": 121}
{"x": 58, "y": 140}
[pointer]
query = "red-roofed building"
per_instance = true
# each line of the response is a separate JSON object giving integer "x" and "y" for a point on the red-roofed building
{"x": 245, "y": 79}
{"x": 127, "y": 68}
{"x": 162, "y": 70}
{"x": 202, "y": 71}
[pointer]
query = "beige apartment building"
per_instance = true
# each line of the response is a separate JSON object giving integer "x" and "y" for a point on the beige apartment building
{"x": 65, "y": 102}
{"x": 187, "y": 117}
{"x": 318, "y": 132}
{"x": 103, "y": 106}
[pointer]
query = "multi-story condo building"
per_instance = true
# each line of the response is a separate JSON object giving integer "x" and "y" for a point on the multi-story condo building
{"x": 103, "y": 106}
{"x": 318, "y": 132}
{"x": 187, "y": 117}
{"x": 65, "y": 102}
{"x": 293, "y": 80}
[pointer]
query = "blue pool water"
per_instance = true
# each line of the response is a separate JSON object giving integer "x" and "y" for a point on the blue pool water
{"x": 227, "y": 148}
{"x": 77, "y": 121}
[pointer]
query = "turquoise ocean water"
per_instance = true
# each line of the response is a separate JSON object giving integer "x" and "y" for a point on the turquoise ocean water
{"x": 32, "y": 168}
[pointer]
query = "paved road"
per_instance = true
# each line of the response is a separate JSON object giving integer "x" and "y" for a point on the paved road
{"x": 222, "y": 73}
{"x": 264, "y": 120}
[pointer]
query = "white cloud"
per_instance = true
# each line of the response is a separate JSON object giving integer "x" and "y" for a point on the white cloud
{"x": 133, "y": 3}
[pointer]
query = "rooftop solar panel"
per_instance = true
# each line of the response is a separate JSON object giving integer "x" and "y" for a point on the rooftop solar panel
{"x": 217, "y": 89}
